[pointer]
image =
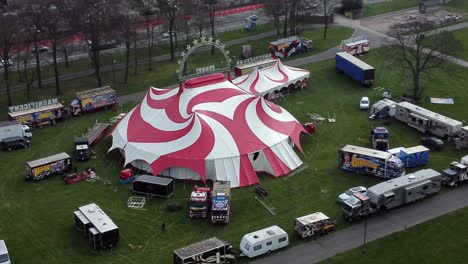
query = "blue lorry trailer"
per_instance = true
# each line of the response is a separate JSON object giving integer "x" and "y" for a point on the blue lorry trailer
{"x": 356, "y": 69}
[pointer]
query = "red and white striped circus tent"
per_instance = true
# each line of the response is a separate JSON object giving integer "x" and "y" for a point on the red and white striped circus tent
{"x": 209, "y": 129}
{"x": 269, "y": 81}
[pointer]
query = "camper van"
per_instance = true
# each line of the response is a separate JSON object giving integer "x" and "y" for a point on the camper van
{"x": 427, "y": 121}
{"x": 263, "y": 241}
{"x": 382, "y": 108}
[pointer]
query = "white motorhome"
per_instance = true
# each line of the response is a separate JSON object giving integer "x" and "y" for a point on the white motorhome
{"x": 461, "y": 141}
{"x": 427, "y": 121}
{"x": 464, "y": 160}
{"x": 263, "y": 241}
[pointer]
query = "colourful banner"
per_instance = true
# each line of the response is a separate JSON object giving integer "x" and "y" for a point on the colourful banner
{"x": 435, "y": 100}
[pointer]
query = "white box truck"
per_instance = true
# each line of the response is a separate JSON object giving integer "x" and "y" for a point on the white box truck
{"x": 14, "y": 135}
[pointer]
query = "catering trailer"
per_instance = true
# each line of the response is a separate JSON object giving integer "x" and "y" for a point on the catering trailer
{"x": 53, "y": 165}
{"x": 96, "y": 227}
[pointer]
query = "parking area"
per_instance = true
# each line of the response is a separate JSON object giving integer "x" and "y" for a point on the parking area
{"x": 382, "y": 23}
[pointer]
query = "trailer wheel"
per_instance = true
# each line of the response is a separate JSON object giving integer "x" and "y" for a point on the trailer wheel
{"x": 9, "y": 148}
{"x": 268, "y": 252}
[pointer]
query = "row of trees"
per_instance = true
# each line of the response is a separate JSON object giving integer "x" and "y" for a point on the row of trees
{"x": 24, "y": 24}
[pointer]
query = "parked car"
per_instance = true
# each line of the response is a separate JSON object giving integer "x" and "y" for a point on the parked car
{"x": 364, "y": 103}
{"x": 166, "y": 35}
{"x": 4, "y": 257}
{"x": 15, "y": 143}
{"x": 40, "y": 48}
{"x": 434, "y": 143}
{"x": 2, "y": 63}
{"x": 349, "y": 193}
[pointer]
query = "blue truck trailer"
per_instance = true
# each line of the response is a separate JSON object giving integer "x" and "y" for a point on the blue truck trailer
{"x": 356, "y": 69}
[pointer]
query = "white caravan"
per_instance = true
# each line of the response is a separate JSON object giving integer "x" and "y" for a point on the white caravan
{"x": 263, "y": 241}
{"x": 427, "y": 121}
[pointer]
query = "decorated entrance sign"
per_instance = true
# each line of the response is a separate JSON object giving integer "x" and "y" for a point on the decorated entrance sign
{"x": 197, "y": 44}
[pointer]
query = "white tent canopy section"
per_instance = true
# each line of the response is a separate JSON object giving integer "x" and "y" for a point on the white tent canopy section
{"x": 290, "y": 75}
{"x": 271, "y": 79}
{"x": 257, "y": 83}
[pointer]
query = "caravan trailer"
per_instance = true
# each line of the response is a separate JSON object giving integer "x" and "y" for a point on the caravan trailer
{"x": 427, "y": 121}
{"x": 263, "y": 241}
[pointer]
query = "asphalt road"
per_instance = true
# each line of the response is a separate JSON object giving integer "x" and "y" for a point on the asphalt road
{"x": 377, "y": 227}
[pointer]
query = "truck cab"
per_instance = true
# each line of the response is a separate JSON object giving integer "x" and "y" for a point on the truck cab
{"x": 357, "y": 206}
{"x": 26, "y": 132}
{"x": 82, "y": 151}
{"x": 199, "y": 202}
{"x": 455, "y": 174}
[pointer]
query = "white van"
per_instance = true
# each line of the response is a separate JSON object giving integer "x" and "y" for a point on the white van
{"x": 464, "y": 160}
{"x": 4, "y": 257}
{"x": 263, "y": 241}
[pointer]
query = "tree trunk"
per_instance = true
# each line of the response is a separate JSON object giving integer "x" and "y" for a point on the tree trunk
{"x": 7, "y": 82}
{"x": 285, "y": 26}
{"x": 277, "y": 24}
{"x": 212, "y": 24}
{"x": 171, "y": 40}
{"x": 135, "y": 54}
{"x": 127, "y": 59}
{"x": 65, "y": 55}
{"x": 97, "y": 65}
{"x": 56, "y": 72}
{"x": 416, "y": 88}
{"x": 200, "y": 29}
{"x": 186, "y": 33}
{"x": 325, "y": 19}
{"x": 38, "y": 66}
{"x": 149, "y": 39}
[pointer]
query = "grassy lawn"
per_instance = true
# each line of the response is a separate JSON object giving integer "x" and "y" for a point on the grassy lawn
{"x": 462, "y": 36}
{"x": 388, "y": 6}
{"x": 37, "y": 220}
{"x": 441, "y": 240}
{"x": 460, "y": 6}
{"x": 164, "y": 73}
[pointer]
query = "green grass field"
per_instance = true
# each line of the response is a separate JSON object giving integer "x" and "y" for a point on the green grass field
{"x": 164, "y": 73}
{"x": 388, "y": 6}
{"x": 459, "y": 6}
{"x": 36, "y": 217}
{"x": 462, "y": 36}
{"x": 441, "y": 240}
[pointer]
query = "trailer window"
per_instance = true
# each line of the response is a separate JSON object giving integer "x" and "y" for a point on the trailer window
{"x": 247, "y": 246}
{"x": 409, "y": 193}
{"x": 413, "y": 119}
{"x": 269, "y": 243}
{"x": 421, "y": 122}
{"x": 257, "y": 247}
{"x": 425, "y": 187}
{"x": 282, "y": 239}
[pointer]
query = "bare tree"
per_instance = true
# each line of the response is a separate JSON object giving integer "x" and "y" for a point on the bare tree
{"x": 274, "y": 8}
{"x": 211, "y": 5}
{"x": 27, "y": 74}
{"x": 34, "y": 20}
{"x": 286, "y": 8}
{"x": 200, "y": 17}
{"x": 8, "y": 33}
{"x": 148, "y": 8}
{"x": 327, "y": 8}
{"x": 128, "y": 17}
{"x": 56, "y": 25}
{"x": 418, "y": 51}
{"x": 170, "y": 9}
{"x": 96, "y": 20}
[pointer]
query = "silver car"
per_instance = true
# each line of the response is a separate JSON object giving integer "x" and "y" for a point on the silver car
{"x": 346, "y": 195}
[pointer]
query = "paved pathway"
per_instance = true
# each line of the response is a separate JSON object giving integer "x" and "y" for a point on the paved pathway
{"x": 377, "y": 227}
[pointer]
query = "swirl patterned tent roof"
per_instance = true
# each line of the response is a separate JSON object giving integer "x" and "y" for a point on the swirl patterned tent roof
{"x": 270, "y": 79}
{"x": 209, "y": 129}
